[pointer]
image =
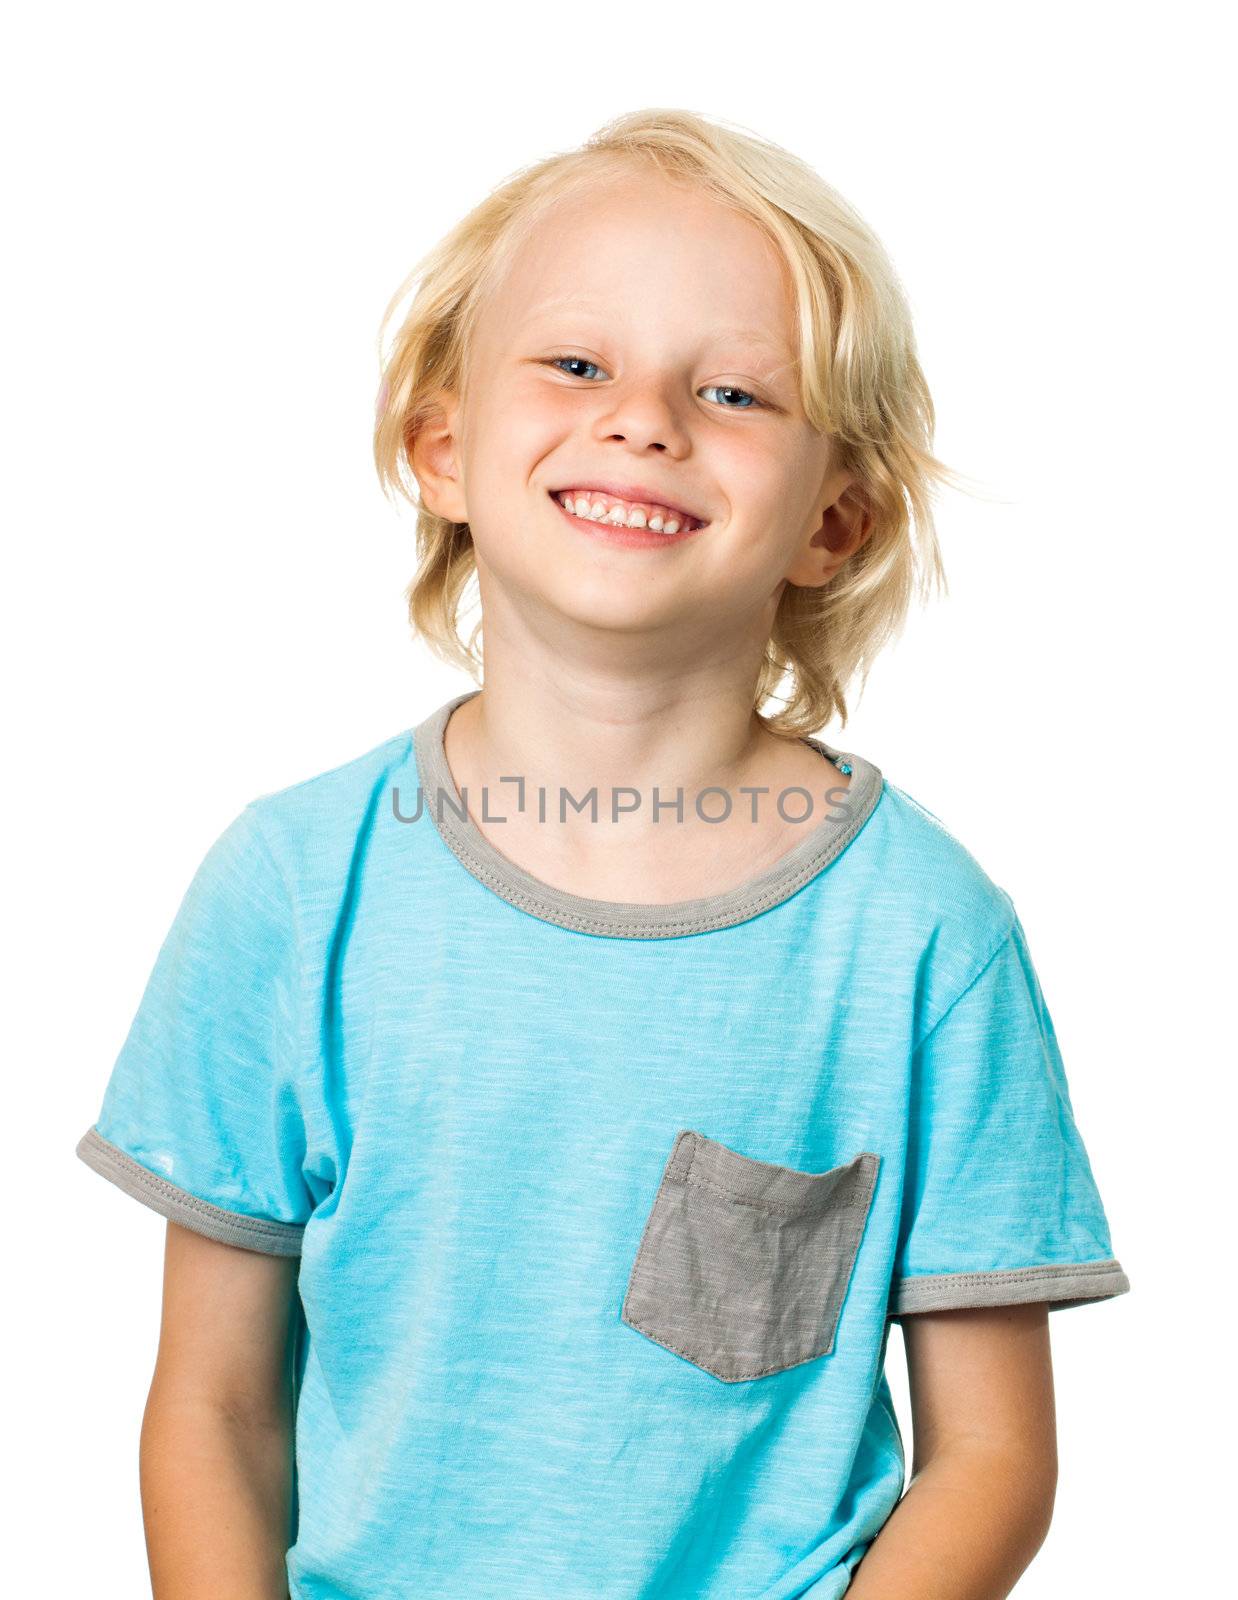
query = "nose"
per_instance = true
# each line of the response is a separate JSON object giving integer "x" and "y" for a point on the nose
{"x": 645, "y": 417}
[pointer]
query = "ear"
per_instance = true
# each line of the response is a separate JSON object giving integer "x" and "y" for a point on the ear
{"x": 837, "y": 531}
{"x": 434, "y": 456}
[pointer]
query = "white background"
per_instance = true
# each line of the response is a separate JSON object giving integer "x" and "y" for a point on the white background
{"x": 211, "y": 206}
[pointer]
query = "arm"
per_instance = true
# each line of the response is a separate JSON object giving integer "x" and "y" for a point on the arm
{"x": 216, "y": 1442}
{"x": 984, "y": 1467}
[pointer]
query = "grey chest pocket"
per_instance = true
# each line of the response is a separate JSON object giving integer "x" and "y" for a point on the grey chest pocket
{"x": 744, "y": 1265}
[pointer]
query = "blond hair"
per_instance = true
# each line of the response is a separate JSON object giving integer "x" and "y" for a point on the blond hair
{"x": 860, "y": 383}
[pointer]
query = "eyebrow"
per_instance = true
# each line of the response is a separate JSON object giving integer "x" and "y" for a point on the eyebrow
{"x": 755, "y": 337}
{"x": 750, "y": 336}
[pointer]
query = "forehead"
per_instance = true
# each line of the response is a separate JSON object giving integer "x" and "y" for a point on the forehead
{"x": 643, "y": 254}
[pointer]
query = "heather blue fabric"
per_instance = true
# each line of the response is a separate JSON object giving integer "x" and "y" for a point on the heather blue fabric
{"x": 460, "y": 1114}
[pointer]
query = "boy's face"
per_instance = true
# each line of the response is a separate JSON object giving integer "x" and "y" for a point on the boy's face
{"x": 622, "y": 348}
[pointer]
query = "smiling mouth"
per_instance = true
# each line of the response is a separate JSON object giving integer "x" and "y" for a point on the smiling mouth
{"x": 654, "y": 520}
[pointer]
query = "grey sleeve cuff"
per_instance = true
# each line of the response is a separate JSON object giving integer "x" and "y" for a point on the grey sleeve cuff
{"x": 1062, "y": 1284}
{"x": 178, "y": 1205}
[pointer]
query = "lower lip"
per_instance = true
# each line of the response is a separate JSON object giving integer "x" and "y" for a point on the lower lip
{"x": 634, "y": 538}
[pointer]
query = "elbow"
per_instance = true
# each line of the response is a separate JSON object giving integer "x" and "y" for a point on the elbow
{"x": 1027, "y": 1480}
{"x": 1014, "y": 1481}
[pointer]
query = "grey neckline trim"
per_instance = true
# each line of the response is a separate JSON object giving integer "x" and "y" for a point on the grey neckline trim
{"x": 620, "y": 919}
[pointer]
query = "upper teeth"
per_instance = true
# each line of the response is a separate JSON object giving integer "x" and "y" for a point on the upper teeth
{"x": 595, "y": 507}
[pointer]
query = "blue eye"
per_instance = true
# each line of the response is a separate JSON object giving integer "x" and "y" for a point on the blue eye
{"x": 720, "y": 388}
{"x": 579, "y": 360}
{"x": 727, "y": 388}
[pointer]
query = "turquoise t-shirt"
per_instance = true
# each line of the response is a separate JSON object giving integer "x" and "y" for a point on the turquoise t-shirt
{"x": 603, "y": 1210}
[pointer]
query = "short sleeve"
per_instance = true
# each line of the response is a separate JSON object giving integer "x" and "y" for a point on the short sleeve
{"x": 202, "y": 1117}
{"x": 1000, "y": 1205}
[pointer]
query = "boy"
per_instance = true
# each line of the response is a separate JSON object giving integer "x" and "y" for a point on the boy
{"x": 593, "y": 1158}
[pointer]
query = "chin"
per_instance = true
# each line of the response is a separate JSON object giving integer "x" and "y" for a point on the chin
{"x": 609, "y": 600}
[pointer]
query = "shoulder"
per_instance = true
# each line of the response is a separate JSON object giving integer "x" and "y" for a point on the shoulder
{"x": 932, "y": 893}
{"x": 313, "y": 828}
{"x": 933, "y": 865}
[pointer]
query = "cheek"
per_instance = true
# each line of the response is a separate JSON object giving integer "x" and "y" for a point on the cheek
{"x": 754, "y": 478}
{"x": 504, "y": 469}
{"x": 513, "y": 435}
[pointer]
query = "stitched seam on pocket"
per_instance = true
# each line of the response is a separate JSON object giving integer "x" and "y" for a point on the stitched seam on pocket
{"x": 766, "y": 1205}
{"x": 865, "y": 1159}
{"x": 757, "y": 1372}
{"x": 860, "y": 1201}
